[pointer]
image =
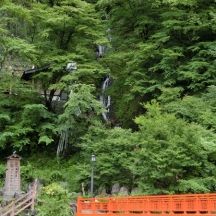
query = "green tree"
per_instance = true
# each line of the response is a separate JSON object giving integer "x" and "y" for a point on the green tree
{"x": 47, "y": 34}
{"x": 166, "y": 155}
{"x": 81, "y": 111}
{"x": 113, "y": 149}
{"x": 198, "y": 108}
{"x": 166, "y": 44}
{"x": 173, "y": 156}
{"x": 24, "y": 121}
{"x": 54, "y": 200}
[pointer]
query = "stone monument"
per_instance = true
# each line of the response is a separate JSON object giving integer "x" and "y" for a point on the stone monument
{"x": 12, "y": 186}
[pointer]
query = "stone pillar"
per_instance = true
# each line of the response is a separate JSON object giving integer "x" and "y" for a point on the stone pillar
{"x": 12, "y": 185}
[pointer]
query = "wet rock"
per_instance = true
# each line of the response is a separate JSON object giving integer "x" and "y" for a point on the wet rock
{"x": 123, "y": 191}
{"x": 135, "y": 191}
{"x": 102, "y": 191}
{"x": 1, "y": 191}
{"x": 115, "y": 189}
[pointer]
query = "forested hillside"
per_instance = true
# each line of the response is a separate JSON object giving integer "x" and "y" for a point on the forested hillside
{"x": 131, "y": 81}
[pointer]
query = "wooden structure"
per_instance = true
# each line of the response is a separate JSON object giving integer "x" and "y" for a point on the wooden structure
{"x": 28, "y": 74}
{"x": 16, "y": 206}
{"x": 164, "y": 205}
{"x": 12, "y": 185}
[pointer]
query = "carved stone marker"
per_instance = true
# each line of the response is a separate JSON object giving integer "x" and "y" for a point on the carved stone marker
{"x": 12, "y": 185}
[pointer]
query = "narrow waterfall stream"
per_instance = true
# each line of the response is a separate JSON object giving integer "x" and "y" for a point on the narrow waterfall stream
{"x": 100, "y": 51}
{"x": 64, "y": 134}
{"x": 105, "y": 99}
{"x": 63, "y": 142}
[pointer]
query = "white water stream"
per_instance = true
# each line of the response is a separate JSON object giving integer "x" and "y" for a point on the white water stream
{"x": 100, "y": 51}
{"x": 105, "y": 99}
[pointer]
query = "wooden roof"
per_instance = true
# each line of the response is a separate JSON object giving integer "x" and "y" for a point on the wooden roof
{"x": 14, "y": 156}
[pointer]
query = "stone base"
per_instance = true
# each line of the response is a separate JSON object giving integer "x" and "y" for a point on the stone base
{"x": 10, "y": 196}
{"x": 1, "y": 191}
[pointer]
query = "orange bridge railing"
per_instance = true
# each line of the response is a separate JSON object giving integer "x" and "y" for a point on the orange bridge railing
{"x": 165, "y": 205}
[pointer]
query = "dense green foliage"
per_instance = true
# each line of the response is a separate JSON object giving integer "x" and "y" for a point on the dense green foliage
{"x": 54, "y": 200}
{"x": 166, "y": 44}
{"x": 166, "y": 155}
{"x": 160, "y": 55}
{"x": 40, "y": 34}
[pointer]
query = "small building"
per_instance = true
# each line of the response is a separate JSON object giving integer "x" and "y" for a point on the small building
{"x": 58, "y": 95}
{"x": 12, "y": 185}
{"x": 28, "y": 74}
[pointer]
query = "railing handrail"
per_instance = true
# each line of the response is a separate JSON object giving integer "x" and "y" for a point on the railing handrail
{"x": 17, "y": 200}
{"x": 20, "y": 204}
{"x": 23, "y": 208}
{"x": 158, "y": 205}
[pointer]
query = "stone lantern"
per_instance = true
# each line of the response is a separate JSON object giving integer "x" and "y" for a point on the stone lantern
{"x": 12, "y": 185}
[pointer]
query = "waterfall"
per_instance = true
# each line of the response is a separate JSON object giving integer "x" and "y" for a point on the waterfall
{"x": 109, "y": 36}
{"x": 71, "y": 66}
{"x": 105, "y": 99}
{"x": 100, "y": 51}
{"x": 63, "y": 142}
{"x": 65, "y": 133}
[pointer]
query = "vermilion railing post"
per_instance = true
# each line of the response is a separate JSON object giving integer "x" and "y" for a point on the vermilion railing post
{"x": 197, "y": 207}
{"x": 78, "y": 206}
{"x": 127, "y": 206}
{"x": 93, "y": 206}
{"x": 171, "y": 204}
{"x": 211, "y": 203}
{"x": 148, "y": 206}
{"x": 109, "y": 206}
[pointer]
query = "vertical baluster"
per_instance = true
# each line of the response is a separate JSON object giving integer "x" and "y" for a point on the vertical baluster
{"x": 33, "y": 194}
{"x": 13, "y": 209}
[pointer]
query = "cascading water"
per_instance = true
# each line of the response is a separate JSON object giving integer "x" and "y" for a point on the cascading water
{"x": 100, "y": 51}
{"x": 63, "y": 142}
{"x": 71, "y": 66}
{"x": 105, "y": 99}
{"x": 64, "y": 134}
{"x": 109, "y": 36}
